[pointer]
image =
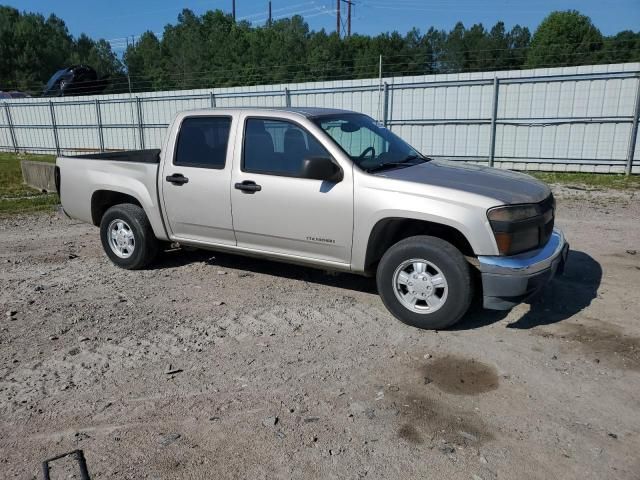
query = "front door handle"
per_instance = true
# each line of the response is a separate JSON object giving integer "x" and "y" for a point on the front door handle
{"x": 248, "y": 186}
{"x": 177, "y": 179}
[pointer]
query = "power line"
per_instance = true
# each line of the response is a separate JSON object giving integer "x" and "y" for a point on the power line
{"x": 264, "y": 74}
{"x": 309, "y": 13}
{"x": 278, "y": 10}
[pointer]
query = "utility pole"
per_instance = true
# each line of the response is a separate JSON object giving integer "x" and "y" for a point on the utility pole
{"x": 338, "y": 17}
{"x": 349, "y": 2}
{"x": 270, "y": 18}
{"x": 233, "y": 9}
{"x": 128, "y": 76}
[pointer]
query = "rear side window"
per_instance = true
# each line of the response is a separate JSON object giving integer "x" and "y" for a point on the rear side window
{"x": 278, "y": 147}
{"x": 202, "y": 142}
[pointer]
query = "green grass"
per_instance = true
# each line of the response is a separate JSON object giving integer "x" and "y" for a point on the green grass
{"x": 15, "y": 196}
{"x": 591, "y": 180}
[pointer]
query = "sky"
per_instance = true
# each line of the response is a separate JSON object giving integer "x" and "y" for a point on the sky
{"x": 115, "y": 20}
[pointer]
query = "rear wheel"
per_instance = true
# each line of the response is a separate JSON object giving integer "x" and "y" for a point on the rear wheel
{"x": 127, "y": 236}
{"x": 425, "y": 282}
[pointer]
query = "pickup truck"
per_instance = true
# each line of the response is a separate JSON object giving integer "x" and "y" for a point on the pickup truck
{"x": 330, "y": 189}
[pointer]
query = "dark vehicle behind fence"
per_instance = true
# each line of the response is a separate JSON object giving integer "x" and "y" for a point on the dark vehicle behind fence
{"x": 13, "y": 94}
{"x": 75, "y": 80}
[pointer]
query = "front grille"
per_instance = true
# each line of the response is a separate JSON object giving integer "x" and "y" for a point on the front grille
{"x": 547, "y": 210}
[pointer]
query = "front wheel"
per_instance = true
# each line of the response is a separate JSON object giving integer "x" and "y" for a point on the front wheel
{"x": 425, "y": 282}
{"x": 127, "y": 236}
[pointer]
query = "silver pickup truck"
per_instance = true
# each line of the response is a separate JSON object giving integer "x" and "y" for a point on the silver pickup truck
{"x": 329, "y": 189}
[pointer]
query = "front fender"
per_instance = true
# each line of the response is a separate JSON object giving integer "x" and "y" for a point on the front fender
{"x": 471, "y": 221}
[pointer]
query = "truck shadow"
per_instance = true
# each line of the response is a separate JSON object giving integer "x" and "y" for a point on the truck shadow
{"x": 345, "y": 280}
{"x": 566, "y": 296}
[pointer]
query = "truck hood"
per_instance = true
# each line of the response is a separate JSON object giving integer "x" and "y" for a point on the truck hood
{"x": 502, "y": 185}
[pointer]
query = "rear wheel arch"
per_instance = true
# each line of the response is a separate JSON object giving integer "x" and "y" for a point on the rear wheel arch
{"x": 102, "y": 200}
{"x": 391, "y": 230}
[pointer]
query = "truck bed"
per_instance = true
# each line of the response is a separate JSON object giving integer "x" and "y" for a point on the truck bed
{"x": 86, "y": 181}
{"x": 139, "y": 156}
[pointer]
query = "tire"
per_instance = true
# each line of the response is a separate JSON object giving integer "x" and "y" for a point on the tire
{"x": 133, "y": 246}
{"x": 430, "y": 271}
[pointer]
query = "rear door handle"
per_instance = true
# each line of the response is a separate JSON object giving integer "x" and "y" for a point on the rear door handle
{"x": 248, "y": 186}
{"x": 177, "y": 179}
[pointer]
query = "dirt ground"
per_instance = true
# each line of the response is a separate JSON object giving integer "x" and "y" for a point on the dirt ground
{"x": 217, "y": 366}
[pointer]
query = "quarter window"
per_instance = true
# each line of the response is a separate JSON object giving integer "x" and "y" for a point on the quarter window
{"x": 278, "y": 147}
{"x": 202, "y": 142}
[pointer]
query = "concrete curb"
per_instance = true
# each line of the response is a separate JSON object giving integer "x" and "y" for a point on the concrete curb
{"x": 40, "y": 175}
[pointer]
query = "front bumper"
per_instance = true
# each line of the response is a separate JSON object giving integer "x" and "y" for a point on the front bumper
{"x": 508, "y": 281}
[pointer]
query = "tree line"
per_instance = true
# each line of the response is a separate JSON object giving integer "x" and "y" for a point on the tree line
{"x": 33, "y": 48}
{"x": 213, "y": 50}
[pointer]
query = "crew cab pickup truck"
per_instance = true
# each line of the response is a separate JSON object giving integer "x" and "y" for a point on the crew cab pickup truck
{"x": 329, "y": 189}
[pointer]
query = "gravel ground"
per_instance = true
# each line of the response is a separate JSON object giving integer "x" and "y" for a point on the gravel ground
{"x": 216, "y": 366}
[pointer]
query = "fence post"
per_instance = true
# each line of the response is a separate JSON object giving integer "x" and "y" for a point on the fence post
{"x": 380, "y": 101}
{"x": 385, "y": 105}
{"x": 494, "y": 115}
{"x": 55, "y": 127}
{"x": 140, "y": 122}
{"x": 213, "y": 100}
{"x": 634, "y": 133}
{"x": 99, "y": 119}
{"x": 12, "y": 133}
{"x": 287, "y": 98}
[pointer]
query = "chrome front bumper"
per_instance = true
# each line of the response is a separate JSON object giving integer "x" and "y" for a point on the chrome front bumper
{"x": 507, "y": 281}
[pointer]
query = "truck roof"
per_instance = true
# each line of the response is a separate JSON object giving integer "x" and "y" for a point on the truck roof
{"x": 303, "y": 111}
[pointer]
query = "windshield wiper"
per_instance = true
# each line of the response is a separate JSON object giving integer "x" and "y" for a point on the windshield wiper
{"x": 404, "y": 163}
{"x": 416, "y": 157}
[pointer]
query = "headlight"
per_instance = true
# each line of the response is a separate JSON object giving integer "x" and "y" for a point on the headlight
{"x": 512, "y": 214}
{"x": 517, "y": 227}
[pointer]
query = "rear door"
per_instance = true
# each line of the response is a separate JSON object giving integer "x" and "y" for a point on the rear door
{"x": 195, "y": 183}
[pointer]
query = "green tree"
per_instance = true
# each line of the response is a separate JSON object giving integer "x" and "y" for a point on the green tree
{"x": 213, "y": 50}
{"x": 564, "y": 38}
{"x": 453, "y": 52}
{"x": 518, "y": 42}
{"x": 33, "y": 48}
{"x": 622, "y": 47}
{"x": 478, "y": 52}
{"x": 145, "y": 64}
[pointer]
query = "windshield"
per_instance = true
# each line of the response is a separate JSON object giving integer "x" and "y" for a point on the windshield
{"x": 370, "y": 146}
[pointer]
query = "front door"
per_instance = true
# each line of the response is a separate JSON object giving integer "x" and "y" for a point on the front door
{"x": 195, "y": 183}
{"x": 275, "y": 209}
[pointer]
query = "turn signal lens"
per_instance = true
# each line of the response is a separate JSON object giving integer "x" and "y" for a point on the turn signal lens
{"x": 504, "y": 242}
{"x": 516, "y": 242}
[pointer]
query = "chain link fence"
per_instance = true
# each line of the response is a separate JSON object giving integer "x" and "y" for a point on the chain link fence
{"x": 568, "y": 119}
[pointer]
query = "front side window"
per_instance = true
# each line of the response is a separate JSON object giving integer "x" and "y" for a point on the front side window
{"x": 202, "y": 142}
{"x": 370, "y": 146}
{"x": 278, "y": 147}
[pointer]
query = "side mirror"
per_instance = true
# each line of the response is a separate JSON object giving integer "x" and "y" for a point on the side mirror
{"x": 322, "y": 168}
